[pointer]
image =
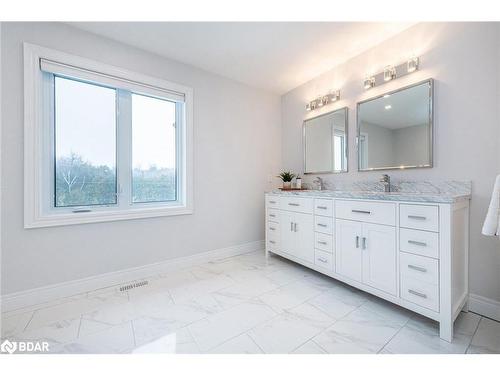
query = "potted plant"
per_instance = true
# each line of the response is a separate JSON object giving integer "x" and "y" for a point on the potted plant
{"x": 287, "y": 178}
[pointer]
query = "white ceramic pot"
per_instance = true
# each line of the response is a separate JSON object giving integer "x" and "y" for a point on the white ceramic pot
{"x": 287, "y": 185}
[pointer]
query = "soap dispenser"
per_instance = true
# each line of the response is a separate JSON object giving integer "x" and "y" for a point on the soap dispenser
{"x": 298, "y": 182}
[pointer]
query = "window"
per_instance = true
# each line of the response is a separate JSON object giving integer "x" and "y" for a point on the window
{"x": 101, "y": 143}
{"x": 153, "y": 150}
{"x": 85, "y": 144}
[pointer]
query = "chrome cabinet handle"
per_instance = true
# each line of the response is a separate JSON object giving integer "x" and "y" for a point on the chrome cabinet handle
{"x": 415, "y": 217}
{"x": 295, "y": 227}
{"x": 322, "y": 260}
{"x": 418, "y": 294}
{"x": 418, "y": 243}
{"x": 322, "y": 242}
{"x": 357, "y": 242}
{"x": 361, "y": 212}
{"x": 272, "y": 202}
{"x": 271, "y": 241}
{"x": 364, "y": 243}
{"x": 417, "y": 268}
{"x": 294, "y": 204}
{"x": 321, "y": 225}
{"x": 322, "y": 207}
{"x": 291, "y": 226}
{"x": 272, "y": 215}
{"x": 272, "y": 228}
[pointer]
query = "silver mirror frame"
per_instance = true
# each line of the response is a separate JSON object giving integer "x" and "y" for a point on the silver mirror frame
{"x": 430, "y": 81}
{"x": 346, "y": 141}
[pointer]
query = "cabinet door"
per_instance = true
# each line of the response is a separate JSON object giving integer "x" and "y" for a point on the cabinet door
{"x": 378, "y": 245}
{"x": 287, "y": 243}
{"x": 304, "y": 229}
{"x": 348, "y": 249}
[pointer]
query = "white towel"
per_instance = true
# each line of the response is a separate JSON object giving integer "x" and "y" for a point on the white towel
{"x": 491, "y": 226}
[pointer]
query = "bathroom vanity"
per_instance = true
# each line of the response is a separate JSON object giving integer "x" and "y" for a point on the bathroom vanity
{"x": 408, "y": 248}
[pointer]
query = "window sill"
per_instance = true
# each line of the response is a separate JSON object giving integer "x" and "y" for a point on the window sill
{"x": 53, "y": 220}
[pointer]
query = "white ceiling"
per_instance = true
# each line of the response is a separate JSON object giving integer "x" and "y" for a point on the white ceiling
{"x": 276, "y": 56}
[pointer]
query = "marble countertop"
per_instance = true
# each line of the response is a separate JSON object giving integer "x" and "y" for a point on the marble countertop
{"x": 441, "y": 197}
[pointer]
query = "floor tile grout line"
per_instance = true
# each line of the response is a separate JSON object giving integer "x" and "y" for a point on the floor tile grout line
{"x": 133, "y": 333}
{"x": 392, "y": 337}
{"x": 255, "y": 342}
{"x": 29, "y": 321}
{"x": 79, "y": 327}
{"x": 474, "y": 334}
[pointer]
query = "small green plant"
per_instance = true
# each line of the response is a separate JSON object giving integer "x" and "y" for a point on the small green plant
{"x": 286, "y": 176}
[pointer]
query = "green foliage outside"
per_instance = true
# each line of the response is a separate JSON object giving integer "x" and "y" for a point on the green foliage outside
{"x": 79, "y": 183}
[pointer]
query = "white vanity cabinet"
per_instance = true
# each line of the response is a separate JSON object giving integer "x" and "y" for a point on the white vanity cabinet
{"x": 414, "y": 254}
{"x": 366, "y": 243}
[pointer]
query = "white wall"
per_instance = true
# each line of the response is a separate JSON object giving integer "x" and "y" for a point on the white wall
{"x": 464, "y": 60}
{"x": 236, "y": 146}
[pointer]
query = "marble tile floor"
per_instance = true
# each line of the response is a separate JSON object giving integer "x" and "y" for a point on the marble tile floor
{"x": 242, "y": 304}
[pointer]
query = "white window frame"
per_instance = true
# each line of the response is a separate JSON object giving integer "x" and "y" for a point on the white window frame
{"x": 37, "y": 186}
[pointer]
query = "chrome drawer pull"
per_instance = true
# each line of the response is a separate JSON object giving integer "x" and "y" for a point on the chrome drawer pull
{"x": 322, "y": 260}
{"x": 322, "y": 242}
{"x": 272, "y": 228}
{"x": 364, "y": 243}
{"x": 271, "y": 241}
{"x": 418, "y": 294}
{"x": 321, "y": 225}
{"x": 291, "y": 226}
{"x": 272, "y": 215}
{"x": 418, "y": 243}
{"x": 414, "y": 217}
{"x": 357, "y": 242}
{"x": 272, "y": 202}
{"x": 417, "y": 268}
{"x": 294, "y": 204}
{"x": 361, "y": 212}
{"x": 322, "y": 207}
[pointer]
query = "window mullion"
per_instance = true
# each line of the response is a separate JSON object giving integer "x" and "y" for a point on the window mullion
{"x": 124, "y": 148}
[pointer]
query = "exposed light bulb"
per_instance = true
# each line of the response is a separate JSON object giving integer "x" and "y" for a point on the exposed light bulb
{"x": 389, "y": 73}
{"x": 412, "y": 64}
{"x": 369, "y": 82}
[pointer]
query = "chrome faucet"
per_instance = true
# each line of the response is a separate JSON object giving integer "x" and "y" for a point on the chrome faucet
{"x": 386, "y": 180}
{"x": 319, "y": 181}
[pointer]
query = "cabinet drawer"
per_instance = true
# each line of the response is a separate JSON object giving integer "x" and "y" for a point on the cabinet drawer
{"x": 273, "y": 215}
{"x": 419, "y": 217}
{"x": 370, "y": 212}
{"x": 272, "y": 201}
{"x": 273, "y": 229}
{"x": 420, "y": 293}
{"x": 323, "y": 259}
{"x": 419, "y": 242}
{"x": 419, "y": 268}
{"x": 323, "y": 224}
{"x": 304, "y": 205}
{"x": 323, "y": 242}
{"x": 323, "y": 207}
{"x": 273, "y": 237}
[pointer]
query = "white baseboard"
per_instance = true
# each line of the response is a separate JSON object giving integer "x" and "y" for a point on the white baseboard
{"x": 18, "y": 300}
{"x": 484, "y": 306}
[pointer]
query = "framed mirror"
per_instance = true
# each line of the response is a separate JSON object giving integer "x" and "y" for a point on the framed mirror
{"x": 395, "y": 129}
{"x": 325, "y": 143}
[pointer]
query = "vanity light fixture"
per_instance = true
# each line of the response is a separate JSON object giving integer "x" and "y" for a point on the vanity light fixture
{"x": 392, "y": 72}
{"x": 369, "y": 82}
{"x": 412, "y": 64}
{"x": 333, "y": 96}
{"x": 389, "y": 73}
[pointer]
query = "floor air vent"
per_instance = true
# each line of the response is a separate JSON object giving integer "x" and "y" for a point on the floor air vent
{"x": 134, "y": 285}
